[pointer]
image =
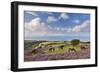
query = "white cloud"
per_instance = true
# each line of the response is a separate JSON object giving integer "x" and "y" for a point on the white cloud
{"x": 63, "y": 16}
{"x": 51, "y": 19}
{"x": 38, "y": 28}
{"x": 49, "y": 27}
{"x": 48, "y": 12}
{"x": 32, "y": 13}
{"x": 58, "y": 28}
{"x": 77, "y": 21}
{"x": 83, "y": 27}
{"x": 63, "y": 29}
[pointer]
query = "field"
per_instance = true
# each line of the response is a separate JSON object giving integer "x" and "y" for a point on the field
{"x": 55, "y": 50}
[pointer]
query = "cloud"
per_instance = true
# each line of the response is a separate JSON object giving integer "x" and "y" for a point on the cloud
{"x": 58, "y": 28}
{"x": 36, "y": 27}
{"x": 32, "y": 13}
{"x": 85, "y": 26}
{"x": 33, "y": 23}
{"x": 63, "y": 16}
{"x": 77, "y": 21}
{"x": 51, "y": 19}
{"x": 48, "y": 12}
{"x": 49, "y": 27}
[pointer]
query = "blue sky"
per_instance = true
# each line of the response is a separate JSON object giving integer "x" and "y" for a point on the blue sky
{"x": 46, "y": 24}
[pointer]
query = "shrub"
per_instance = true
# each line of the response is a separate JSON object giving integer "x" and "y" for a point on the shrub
{"x": 75, "y": 42}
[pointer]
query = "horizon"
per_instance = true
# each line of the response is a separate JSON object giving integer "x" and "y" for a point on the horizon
{"x": 60, "y": 38}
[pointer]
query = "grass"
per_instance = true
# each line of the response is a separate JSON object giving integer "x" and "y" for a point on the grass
{"x": 64, "y": 50}
{"x": 56, "y": 46}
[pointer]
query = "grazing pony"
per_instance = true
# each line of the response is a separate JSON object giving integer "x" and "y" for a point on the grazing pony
{"x": 51, "y": 49}
{"x": 61, "y": 47}
{"x": 83, "y": 47}
{"x": 72, "y": 53}
{"x": 71, "y": 50}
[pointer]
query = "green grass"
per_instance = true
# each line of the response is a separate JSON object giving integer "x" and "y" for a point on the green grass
{"x": 56, "y": 46}
{"x": 61, "y": 51}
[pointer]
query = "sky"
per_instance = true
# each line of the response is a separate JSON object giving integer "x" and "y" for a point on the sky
{"x": 41, "y": 25}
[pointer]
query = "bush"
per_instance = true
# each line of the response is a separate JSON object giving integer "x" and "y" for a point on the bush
{"x": 75, "y": 42}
